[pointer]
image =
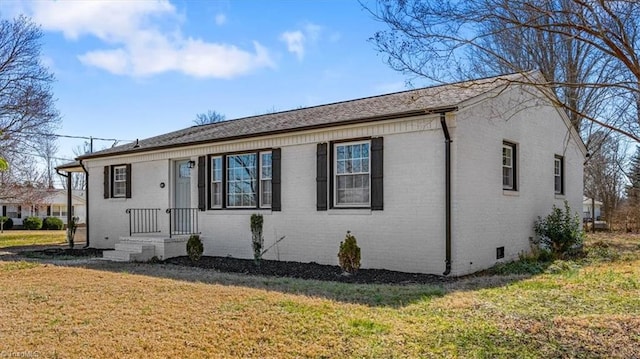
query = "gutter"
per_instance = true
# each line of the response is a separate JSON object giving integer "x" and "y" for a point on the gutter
{"x": 86, "y": 199}
{"x": 447, "y": 175}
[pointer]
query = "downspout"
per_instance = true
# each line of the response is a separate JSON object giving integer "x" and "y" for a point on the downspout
{"x": 69, "y": 202}
{"x": 86, "y": 199}
{"x": 447, "y": 154}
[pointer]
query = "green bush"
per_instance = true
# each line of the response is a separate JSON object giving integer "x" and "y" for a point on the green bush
{"x": 560, "y": 231}
{"x": 349, "y": 254}
{"x": 7, "y": 222}
{"x": 194, "y": 247}
{"x": 32, "y": 223}
{"x": 52, "y": 223}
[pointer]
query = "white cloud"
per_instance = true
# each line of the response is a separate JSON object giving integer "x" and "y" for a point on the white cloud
{"x": 295, "y": 42}
{"x": 220, "y": 19}
{"x": 298, "y": 40}
{"x": 145, "y": 39}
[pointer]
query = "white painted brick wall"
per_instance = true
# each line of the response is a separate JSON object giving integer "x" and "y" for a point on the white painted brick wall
{"x": 409, "y": 234}
{"x": 485, "y": 216}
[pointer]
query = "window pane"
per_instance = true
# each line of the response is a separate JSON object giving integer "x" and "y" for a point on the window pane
{"x": 241, "y": 180}
{"x": 352, "y": 174}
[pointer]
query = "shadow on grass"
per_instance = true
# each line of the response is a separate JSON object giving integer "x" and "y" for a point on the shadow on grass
{"x": 374, "y": 295}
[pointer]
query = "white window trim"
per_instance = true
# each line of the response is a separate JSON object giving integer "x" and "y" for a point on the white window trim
{"x": 335, "y": 175}
{"x": 512, "y": 147}
{"x": 558, "y": 160}
{"x": 226, "y": 168}
{"x": 262, "y": 178}
{"x": 115, "y": 180}
{"x": 220, "y": 182}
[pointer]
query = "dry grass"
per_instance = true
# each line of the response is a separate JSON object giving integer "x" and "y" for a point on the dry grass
{"x": 588, "y": 309}
{"x": 15, "y": 238}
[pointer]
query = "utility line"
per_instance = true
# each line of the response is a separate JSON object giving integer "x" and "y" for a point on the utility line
{"x": 66, "y": 136}
{"x": 38, "y": 155}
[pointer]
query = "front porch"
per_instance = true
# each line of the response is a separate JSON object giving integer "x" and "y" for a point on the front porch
{"x": 147, "y": 239}
{"x": 144, "y": 247}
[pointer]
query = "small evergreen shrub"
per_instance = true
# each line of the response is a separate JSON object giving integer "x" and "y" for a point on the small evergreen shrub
{"x": 32, "y": 223}
{"x": 257, "y": 240}
{"x": 52, "y": 223}
{"x": 349, "y": 254}
{"x": 560, "y": 231}
{"x": 194, "y": 247}
{"x": 7, "y": 223}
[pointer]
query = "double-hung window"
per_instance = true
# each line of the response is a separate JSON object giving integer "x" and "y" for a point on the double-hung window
{"x": 265, "y": 179}
{"x": 509, "y": 179}
{"x": 216, "y": 182}
{"x": 352, "y": 174}
{"x": 117, "y": 181}
{"x": 558, "y": 174}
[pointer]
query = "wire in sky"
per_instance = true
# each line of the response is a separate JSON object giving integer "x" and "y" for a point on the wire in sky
{"x": 66, "y": 136}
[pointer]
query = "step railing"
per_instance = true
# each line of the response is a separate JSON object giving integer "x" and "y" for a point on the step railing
{"x": 183, "y": 221}
{"x": 143, "y": 220}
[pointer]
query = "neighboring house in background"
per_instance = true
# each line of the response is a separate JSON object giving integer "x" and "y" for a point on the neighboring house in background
{"x": 587, "y": 205}
{"x": 414, "y": 175}
{"x": 53, "y": 203}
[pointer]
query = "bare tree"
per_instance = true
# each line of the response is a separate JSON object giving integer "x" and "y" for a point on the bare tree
{"x": 209, "y": 118}
{"x": 78, "y": 180}
{"x": 27, "y": 111}
{"x": 46, "y": 149}
{"x": 604, "y": 173}
{"x": 588, "y": 51}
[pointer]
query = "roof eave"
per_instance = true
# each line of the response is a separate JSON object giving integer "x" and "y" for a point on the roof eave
{"x": 275, "y": 132}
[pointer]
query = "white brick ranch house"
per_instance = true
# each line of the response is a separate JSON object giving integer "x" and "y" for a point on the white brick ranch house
{"x": 446, "y": 179}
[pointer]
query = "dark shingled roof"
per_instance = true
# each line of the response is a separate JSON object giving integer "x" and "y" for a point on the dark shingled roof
{"x": 395, "y": 105}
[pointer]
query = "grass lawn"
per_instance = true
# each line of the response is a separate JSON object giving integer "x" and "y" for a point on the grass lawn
{"x": 587, "y": 309}
{"x": 13, "y": 238}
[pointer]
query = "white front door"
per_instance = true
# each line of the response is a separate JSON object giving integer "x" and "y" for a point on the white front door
{"x": 182, "y": 198}
{"x": 183, "y": 185}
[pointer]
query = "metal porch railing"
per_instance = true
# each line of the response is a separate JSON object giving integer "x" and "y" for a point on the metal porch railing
{"x": 143, "y": 220}
{"x": 183, "y": 221}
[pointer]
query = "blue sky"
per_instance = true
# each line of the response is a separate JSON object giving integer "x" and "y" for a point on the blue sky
{"x": 136, "y": 69}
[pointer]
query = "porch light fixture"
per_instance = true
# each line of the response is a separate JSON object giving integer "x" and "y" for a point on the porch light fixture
{"x": 192, "y": 164}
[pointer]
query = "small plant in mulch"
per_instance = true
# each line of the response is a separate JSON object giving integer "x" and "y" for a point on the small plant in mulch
{"x": 349, "y": 254}
{"x": 71, "y": 230}
{"x": 257, "y": 239}
{"x": 194, "y": 247}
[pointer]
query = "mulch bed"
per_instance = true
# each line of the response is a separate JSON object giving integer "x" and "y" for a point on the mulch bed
{"x": 269, "y": 268}
{"x": 66, "y": 252}
{"x": 307, "y": 271}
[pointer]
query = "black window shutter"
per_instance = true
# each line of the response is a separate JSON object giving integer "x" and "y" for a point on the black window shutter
{"x": 377, "y": 193}
{"x": 129, "y": 175}
{"x": 19, "y": 211}
{"x": 48, "y": 210}
{"x": 321, "y": 177}
{"x": 202, "y": 183}
{"x": 107, "y": 179}
{"x": 276, "y": 188}
{"x": 4, "y": 211}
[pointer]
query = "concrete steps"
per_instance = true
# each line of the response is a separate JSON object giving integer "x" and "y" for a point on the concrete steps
{"x": 130, "y": 251}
